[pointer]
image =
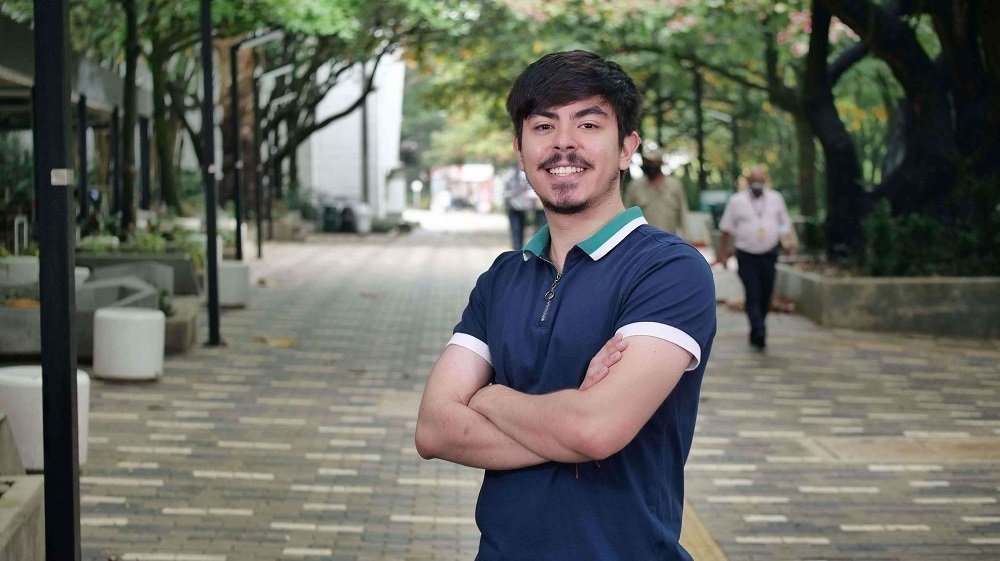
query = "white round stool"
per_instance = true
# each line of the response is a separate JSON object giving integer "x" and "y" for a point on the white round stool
{"x": 128, "y": 343}
{"x": 234, "y": 283}
{"x": 21, "y": 400}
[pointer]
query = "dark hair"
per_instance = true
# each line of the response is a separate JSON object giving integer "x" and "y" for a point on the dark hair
{"x": 558, "y": 79}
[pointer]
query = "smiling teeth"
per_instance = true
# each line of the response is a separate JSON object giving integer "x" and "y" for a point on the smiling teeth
{"x": 565, "y": 170}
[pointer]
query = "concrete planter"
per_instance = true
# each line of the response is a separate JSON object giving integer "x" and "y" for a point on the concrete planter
{"x": 956, "y": 306}
{"x": 21, "y": 400}
{"x": 22, "y": 522}
{"x": 17, "y": 271}
{"x": 23, "y": 271}
{"x": 234, "y": 284}
{"x": 185, "y": 282}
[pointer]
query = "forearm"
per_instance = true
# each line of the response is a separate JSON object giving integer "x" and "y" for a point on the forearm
{"x": 448, "y": 429}
{"x": 456, "y": 433}
{"x": 591, "y": 424}
{"x": 522, "y": 416}
{"x": 724, "y": 246}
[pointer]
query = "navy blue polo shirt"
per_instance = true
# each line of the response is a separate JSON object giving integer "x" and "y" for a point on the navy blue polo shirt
{"x": 629, "y": 277}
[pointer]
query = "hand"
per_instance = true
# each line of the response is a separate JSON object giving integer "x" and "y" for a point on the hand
{"x": 601, "y": 364}
{"x": 722, "y": 260}
{"x": 478, "y": 397}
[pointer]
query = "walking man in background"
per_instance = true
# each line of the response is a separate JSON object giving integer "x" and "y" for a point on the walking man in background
{"x": 661, "y": 197}
{"x": 756, "y": 219}
{"x": 519, "y": 199}
{"x": 583, "y": 440}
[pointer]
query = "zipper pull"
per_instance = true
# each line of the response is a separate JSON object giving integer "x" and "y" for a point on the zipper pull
{"x": 550, "y": 295}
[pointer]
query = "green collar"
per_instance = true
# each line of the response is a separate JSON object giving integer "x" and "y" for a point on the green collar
{"x": 598, "y": 245}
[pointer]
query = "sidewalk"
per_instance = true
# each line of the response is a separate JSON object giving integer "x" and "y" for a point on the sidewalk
{"x": 296, "y": 439}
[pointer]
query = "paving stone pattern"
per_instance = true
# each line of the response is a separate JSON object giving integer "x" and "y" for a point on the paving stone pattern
{"x": 295, "y": 440}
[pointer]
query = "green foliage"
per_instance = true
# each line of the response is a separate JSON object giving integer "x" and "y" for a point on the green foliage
{"x": 920, "y": 245}
{"x": 304, "y": 200}
{"x": 16, "y": 172}
{"x": 149, "y": 242}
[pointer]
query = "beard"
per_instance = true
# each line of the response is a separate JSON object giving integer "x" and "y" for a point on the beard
{"x": 565, "y": 207}
{"x": 562, "y": 190}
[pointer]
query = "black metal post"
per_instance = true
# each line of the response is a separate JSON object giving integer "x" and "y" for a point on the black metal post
{"x": 272, "y": 184}
{"x": 81, "y": 152}
{"x": 145, "y": 189}
{"x": 116, "y": 162}
{"x": 234, "y": 101}
{"x": 208, "y": 145}
{"x": 51, "y": 120}
{"x": 258, "y": 180}
{"x": 364, "y": 140}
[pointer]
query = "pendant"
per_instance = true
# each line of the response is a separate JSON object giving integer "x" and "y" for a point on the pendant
{"x": 760, "y": 234}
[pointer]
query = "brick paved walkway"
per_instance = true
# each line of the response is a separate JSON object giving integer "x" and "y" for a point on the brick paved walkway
{"x": 295, "y": 440}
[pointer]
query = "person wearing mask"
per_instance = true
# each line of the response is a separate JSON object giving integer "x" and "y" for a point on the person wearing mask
{"x": 661, "y": 197}
{"x": 756, "y": 219}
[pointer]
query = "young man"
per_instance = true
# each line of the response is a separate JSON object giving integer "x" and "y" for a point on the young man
{"x": 756, "y": 219}
{"x": 583, "y": 440}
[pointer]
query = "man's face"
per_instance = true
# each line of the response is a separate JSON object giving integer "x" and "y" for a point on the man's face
{"x": 571, "y": 155}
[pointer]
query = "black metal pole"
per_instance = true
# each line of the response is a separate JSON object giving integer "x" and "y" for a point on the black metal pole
{"x": 208, "y": 145}
{"x": 145, "y": 190}
{"x": 51, "y": 119}
{"x": 234, "y": 101}
{"x": 271, "y": 143}
{"x": 258, "y": 185}
{"x": 364, "y": 140}
{"x": 116, "y": 163}
{"x": 81, "y": 153}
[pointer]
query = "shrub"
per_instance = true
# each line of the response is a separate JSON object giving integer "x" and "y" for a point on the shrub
{"x": 921, "y": 245}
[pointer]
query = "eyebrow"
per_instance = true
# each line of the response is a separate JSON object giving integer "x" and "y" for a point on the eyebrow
{"x": 592, "y": 110}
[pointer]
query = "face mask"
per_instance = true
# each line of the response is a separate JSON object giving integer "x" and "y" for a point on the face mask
{"x": 757, "y": 187}
{"x": 651, "y": 171}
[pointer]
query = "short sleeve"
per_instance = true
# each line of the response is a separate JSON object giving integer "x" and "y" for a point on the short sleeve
{"x": 471, "y": 329}
{"x": 673, "y": 299}
{"x": 728, "y": 221}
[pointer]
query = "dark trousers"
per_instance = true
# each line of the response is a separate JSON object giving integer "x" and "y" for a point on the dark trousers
{"x": 516, "y": 218}
{"x": 757, "y": 273}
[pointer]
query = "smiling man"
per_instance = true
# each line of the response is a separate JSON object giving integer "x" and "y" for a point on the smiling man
{"x": 574, "y": 374}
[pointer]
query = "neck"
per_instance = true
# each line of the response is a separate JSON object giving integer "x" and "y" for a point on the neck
{"x": 567, "y": 230}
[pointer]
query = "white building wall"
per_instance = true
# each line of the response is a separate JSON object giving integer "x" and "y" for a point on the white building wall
{"x": 335, "y": 158}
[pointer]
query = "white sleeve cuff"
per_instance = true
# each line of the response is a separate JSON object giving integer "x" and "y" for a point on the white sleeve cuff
{"x": 473, "y": 344}
{"x": 667, "y": 333}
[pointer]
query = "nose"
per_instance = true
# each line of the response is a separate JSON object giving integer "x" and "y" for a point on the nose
{"x": 565, "y": 139}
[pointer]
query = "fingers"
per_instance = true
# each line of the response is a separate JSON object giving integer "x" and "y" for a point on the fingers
{"x": 600, "y": 365}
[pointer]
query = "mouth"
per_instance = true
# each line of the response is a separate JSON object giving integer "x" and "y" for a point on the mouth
{"x": 564, "y": 171}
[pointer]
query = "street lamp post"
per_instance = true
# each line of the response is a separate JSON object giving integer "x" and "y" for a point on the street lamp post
{"x": 54, "y": 192}
{"x": 208, "y": 144}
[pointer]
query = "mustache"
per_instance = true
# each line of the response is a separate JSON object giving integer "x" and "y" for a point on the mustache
{"x": 568, "y": 159}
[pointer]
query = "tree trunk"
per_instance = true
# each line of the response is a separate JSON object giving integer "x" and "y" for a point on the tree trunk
{"x": 293, "y": 169}
{"x": 162, "y": 131}
{"x": 846, "y": 201}
{"x": 225, "y": 99}
{"x": 129, "y": 117}
{"x": 926, "y": 175}
{"x": 805, "y": 143}
{"x": 699, "y": 133}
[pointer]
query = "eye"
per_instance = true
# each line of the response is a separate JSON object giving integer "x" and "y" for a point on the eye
{"x": 543, "y": 127}
{"x": 589, "y": 126}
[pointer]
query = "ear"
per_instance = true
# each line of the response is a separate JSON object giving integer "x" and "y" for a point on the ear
{"x": 629, "y": 147}
{"x": 517, "y": 150}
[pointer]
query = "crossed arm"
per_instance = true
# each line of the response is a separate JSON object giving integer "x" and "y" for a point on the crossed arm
{"x": 465, "y": 420}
